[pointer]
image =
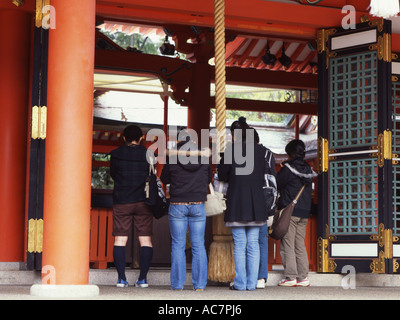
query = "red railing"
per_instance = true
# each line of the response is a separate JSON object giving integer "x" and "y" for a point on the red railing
{"x": 101, "y": 238}
{"x": 102, "y": 241}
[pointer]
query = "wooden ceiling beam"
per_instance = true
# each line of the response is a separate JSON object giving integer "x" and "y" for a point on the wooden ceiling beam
{"x": 140, "y": 63}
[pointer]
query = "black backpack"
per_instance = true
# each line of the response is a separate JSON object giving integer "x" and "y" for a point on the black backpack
{"x": 155, "y": 196}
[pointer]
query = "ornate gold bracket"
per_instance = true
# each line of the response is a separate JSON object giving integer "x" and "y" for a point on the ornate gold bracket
{"x": 39, "y": 122}
{"x": 378, "y": 23}
{"x": 385, "y": 240}
{"x": 35, "y": 236}
{"x": 324, "y": 264}
{"x": 322, "y": 43}
{"x": 378, "y": 265}
{"x": 323, "y": 37}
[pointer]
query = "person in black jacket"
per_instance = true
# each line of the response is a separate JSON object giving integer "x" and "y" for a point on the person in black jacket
{"x": 129, "y": 169}
{"x": 246, "y": 210}
{"x": 189, "y": 173}
{"x": 295, "y": 173}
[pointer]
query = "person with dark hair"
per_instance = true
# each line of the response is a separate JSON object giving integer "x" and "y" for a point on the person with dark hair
{"x": 129, "y": 169}
{"x": 294, "y": 174}
{"x": 246, "y": 209}
{"x": 263, "y": 237}
{"x": 189, "y": 173}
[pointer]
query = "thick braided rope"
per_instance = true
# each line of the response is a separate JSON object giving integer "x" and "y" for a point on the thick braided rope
{"x": 220, "y": 74}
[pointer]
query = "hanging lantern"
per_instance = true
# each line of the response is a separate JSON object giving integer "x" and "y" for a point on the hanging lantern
{"x": 384, "y": 8}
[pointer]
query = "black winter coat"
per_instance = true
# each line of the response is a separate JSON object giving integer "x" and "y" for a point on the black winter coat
{"x": 290, "y": 179}
{"x": 129, "y": 170}
{"x": 188, "y": 182}
{"x": 245, "y": 197}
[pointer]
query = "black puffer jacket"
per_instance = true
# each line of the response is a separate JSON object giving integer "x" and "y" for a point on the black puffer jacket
{"x": 188, "y": 181}
{"x": 290, "y": 179}
{"x": 129, "y": 170}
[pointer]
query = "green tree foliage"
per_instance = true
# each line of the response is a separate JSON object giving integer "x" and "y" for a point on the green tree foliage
{"x": 263, "y": 95}
{"x": 136, "y": 40}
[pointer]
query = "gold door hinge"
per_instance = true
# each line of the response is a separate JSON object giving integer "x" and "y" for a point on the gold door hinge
{"x": 383, "y": 47}
{"x": 324, "y": 263}
{"x": 323, "y": 154}
{"x": 384, "y": 147}
{"x": 378, "y": 46}
{"x": 385, "y": 240}
{"x": 39, "y": 122}
{"x": 35, "y": 236}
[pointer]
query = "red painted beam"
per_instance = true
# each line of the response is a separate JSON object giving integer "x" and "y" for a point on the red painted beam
{"x": 261, "y": 17}
{"x": 139, "y": 63}
{"x": 271, "y": 79}
{"x": 132, "y": 62}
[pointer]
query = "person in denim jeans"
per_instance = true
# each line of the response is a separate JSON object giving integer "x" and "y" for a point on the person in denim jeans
{"x": 246, "y": 209}
{"x": 189, "y": 175}
{"x": 182, "y": 216}
{"x": 263, "y": 238}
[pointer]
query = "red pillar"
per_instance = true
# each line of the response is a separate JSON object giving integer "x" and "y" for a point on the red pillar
{"x": 69, "y": 143}
{"x": 14, "y": 93}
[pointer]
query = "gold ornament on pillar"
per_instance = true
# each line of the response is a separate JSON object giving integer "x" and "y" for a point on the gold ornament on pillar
{"x": 18, "y": 2}
{"x": 384, "y": 8}
{"x": 40, "y": 4}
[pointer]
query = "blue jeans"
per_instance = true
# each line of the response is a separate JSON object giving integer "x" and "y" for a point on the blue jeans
{"x": 246, "y": 256}
{"x": 180, "y": 217}
{"x": 263, "y": 241}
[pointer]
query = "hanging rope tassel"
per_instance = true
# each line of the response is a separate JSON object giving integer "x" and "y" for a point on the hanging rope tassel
{"x": 384, "y": 8}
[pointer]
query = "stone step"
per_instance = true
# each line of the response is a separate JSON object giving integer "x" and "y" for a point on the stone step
{"x": 161, "y": 277}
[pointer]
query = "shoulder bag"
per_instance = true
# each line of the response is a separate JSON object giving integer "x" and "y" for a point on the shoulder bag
{"x": 280, "y": 224}
{"x": 215, "y": 203}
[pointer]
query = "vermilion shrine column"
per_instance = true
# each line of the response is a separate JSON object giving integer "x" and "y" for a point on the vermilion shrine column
{"x": 68, "y": 151}
{"x": 14, "y": 93}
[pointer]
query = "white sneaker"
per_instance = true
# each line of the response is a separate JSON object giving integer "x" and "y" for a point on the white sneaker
{"x": 288, "y": 283}
{"x": 303, "y": 283}
{"x": 260, "y": 284}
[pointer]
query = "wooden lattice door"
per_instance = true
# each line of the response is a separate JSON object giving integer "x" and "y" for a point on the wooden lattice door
{"x": 355, "y": 148}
